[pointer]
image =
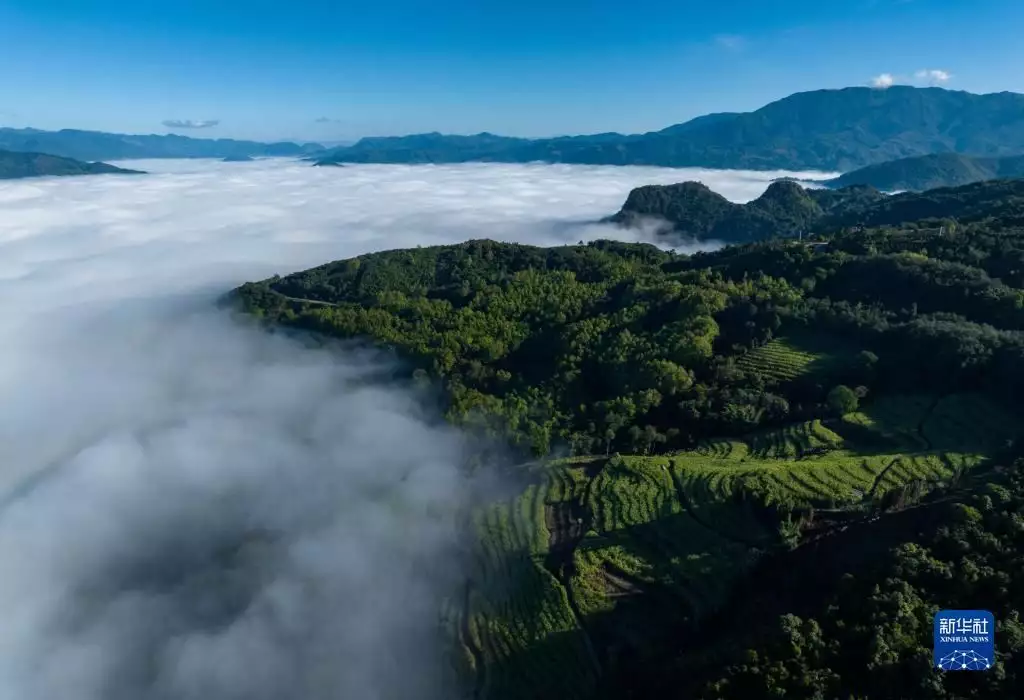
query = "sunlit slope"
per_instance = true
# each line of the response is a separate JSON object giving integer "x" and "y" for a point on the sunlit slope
{"x": 601, "y": 557}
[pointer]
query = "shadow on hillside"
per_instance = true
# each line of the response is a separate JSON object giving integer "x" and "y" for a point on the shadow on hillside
{"x": 649, "y": 616}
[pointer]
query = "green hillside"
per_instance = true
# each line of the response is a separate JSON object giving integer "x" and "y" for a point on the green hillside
{"x": 931, "y": 171}
{"x": 784, "y": 209}
{"x": 744, "y": 474}
{"x": 17, "y": 165}
{"x": 692, "y": 211}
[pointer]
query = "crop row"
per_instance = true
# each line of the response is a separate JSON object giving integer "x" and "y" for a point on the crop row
{"x": 794, "y": 441}
{"x": 531, "y": 644}
{"x": 520, "y": 616}
{"x": 777, "y": 360}
{"x": 642, "y": 527}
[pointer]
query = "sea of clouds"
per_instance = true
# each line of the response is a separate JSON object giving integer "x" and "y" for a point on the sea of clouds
{"x": 191, "y": 508}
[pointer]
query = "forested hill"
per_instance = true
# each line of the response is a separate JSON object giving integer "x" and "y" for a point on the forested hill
{"x": 98, "y": 145}
{"x": 931, "y": 171}
{"x": 830, "y": 130}
{"x": 784, "y": 209}
{"x": 17, "y": 165}
{"x": 759, "y": 472}
{"x": 693, "y": 211}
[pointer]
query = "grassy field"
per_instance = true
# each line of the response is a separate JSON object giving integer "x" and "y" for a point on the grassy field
{"x": 598, "y": 551}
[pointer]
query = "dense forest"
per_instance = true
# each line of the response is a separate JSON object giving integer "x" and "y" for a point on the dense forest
{"x": 786, "y": 208}
{"x": 690, "y": 210}
{"x": 827, "y": 130}
{"x": 751, "y": 473}
{"x": 931, "y": 171}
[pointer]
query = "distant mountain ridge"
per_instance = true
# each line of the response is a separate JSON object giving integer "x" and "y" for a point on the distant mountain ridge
{"x": 931, "y": 171}
{"x": 97, "y": 145}
{"x": 820, "y": 130}
{"x": 18, "y": 165}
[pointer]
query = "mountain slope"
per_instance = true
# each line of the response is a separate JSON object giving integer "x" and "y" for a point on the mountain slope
{"x": 745, "y": 427}
{"x": 822, "y": 130}
{"x": 932, "y": 171}
{"x": 18, "y": 165}
{"x": 96, "y": 145}
{"x": 784, "y": 209}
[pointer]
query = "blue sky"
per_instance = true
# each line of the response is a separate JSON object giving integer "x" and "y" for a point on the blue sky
{"x": 325, "y": 70}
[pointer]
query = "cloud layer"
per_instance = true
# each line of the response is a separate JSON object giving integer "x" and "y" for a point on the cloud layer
{"x": 190, "y": 123}
{"x": 933, "y": 76}
{"x": 925, "y": 77}
{"x": 883, "y": 80}
{"x": 192, "y": 508}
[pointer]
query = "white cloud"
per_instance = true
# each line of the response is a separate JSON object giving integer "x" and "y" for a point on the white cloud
{"x": 149, "y": 437}
{"x": 883, "y": 81}
{"x": 933, "y": 76}
{"x": 190, "y": 123}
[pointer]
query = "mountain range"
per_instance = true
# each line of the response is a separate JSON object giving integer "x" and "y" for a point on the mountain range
{"x": 18, "y": 165}
{"x": 930, "y": 171}
{"x": 828, "y": 130}
{"x": 97, "y": 145}
{"x": 831, "y": 130}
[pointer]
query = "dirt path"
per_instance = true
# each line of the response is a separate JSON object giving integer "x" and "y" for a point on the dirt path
{"x": 620, "y": 583}
{"x": 314, "y": 302}
{"x": 565, "y": 526}
{"x": 881, "y": 475}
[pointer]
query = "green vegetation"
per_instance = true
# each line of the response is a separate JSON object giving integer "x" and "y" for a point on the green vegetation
{"x": 830, "y": 130}
{"x": 17, "y": 165}
{"x": 785, "y": 209}
{"x": 854, "y": 619}
{"x": 931, "y": 171}
{"x": 786, "y": 359}
{"x": 798, "y": 452}
{"x": 842, "y": 400}
{"x": 601, "y": 558}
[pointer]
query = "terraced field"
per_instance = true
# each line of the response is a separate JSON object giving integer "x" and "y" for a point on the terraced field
{"x": 785, "y": 359}
{"x": 893, "y": 442}
{"x": 576, "y": 570}
{"x": 521, "y": 633}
